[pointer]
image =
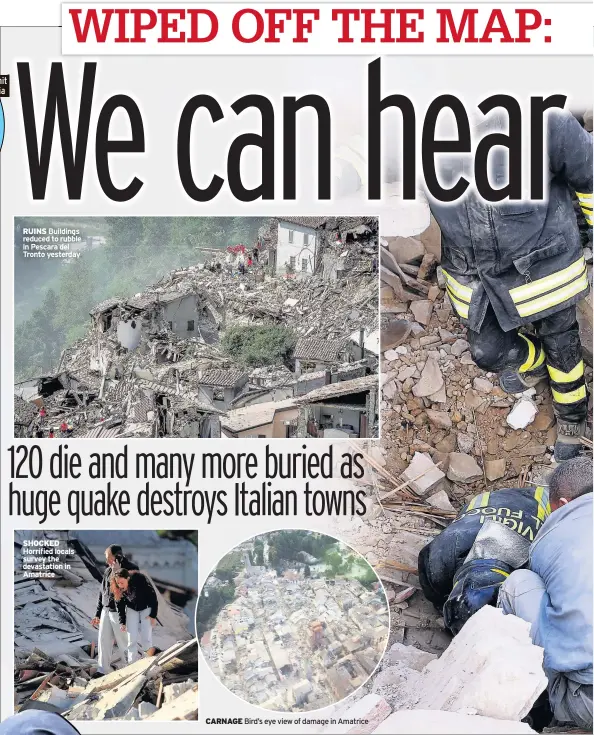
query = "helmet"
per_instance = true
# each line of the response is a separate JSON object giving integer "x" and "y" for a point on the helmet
{"x": 476, "y": 584}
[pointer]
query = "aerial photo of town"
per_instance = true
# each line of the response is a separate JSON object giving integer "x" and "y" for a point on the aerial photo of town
{"x": 292, "y": 621}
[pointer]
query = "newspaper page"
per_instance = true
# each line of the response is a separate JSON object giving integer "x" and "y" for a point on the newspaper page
{"x": 296, "y": 365}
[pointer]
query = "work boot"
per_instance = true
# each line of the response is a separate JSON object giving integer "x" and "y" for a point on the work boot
{"x": 569, "y": 439}
{"x": 512, "y": 381}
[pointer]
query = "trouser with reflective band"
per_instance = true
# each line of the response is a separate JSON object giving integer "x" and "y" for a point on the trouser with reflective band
{"x": 557, "y": 343}
{"x": 585, "y": 201}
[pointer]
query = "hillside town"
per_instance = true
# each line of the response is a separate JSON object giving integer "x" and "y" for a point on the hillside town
{"x": 293, "y": 639}
{"x": 276, "y": 339}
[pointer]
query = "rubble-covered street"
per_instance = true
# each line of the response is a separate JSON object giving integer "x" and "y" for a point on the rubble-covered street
{"x": 56, "y": 645}
{"x": 276, "y": 342}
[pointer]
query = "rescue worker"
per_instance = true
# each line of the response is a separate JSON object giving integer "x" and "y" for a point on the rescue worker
{"x": 514, "y": 264}
{"x": 555, "y": 593}
{"x": 460, "y": 587}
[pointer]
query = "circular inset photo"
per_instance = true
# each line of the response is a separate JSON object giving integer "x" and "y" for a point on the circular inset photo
{"x": 292, "y": 620}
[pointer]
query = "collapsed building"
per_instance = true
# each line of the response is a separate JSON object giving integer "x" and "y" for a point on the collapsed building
{"x": 56, "y": 646}
{"x": 152, "y": 365}
{"x": 293, "y": 642}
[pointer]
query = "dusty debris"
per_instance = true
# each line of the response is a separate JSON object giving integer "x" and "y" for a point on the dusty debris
{"x": 463, "y": 467}
{"x": 152, "y": 365}
{"x": 422, "y": 474}
{"x": 55, "y": 643}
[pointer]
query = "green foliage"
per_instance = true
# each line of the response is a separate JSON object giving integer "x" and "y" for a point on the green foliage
{"x": 229, "y": 566}
{"x": 211, "y": 602}
{"x": 286, "y": 545}
{"x": 259, "y": 345}
{"x": 258, "y": 553}
{"x": 367, "y": 577}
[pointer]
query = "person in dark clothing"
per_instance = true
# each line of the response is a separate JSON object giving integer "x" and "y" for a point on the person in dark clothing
{"x": 513, "y": 265}
{"x": 137, "y": 605}
{"x": 106, "y": 616}
{"x": 459, "y": 579}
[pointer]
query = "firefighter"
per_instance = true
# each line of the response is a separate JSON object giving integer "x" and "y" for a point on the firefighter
{"x": 459, "y": 586}
{"x": 514, "y": 264}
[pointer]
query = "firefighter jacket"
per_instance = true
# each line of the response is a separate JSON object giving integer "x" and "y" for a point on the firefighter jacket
{"x": 523, "y": 510}
{"x": 523, "y": 258}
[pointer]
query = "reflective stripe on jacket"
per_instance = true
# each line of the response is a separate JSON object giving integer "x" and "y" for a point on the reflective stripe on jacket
{"x": 523, "y": 258}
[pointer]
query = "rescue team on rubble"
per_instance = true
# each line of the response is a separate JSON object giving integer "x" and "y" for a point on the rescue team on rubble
{"x": 126, "y": 610}
{"x": 519, "y": 265}
{"x": 529, "y": 552}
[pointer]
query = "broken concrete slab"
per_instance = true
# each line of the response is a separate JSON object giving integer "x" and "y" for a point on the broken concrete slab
{"x": 422, "y": 474}
{"x": 421, "y": 722}
{"x": 522, "y": 414}
{"x": 439, "y": 419}
{"x": 394, "y": 334}
{"x": 409, "y": 656}
{"x": 406, "y": 249}
{"x": 184, "y": 707}
{"x": 491, "y": 666}
{"x": 440, "y": 500}
{"x": 422, "y": 311}
{"x": 459, "y": 347}
{"x": 463, "y": 468}
{"x": 482, "y": 385}
{"x": 494, "y": 468}
{"x": 431, "y": 379}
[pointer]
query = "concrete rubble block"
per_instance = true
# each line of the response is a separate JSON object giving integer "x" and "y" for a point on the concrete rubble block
{"x": 433, "y": 293}
{"x": 431, "y": 239}
{"x": 431, "y": 379}
{"x": 463, "y": 468}
{"x": 522, "y": 414}
{"x": 389, "y": 390}
{"x": 184, "y": 707}
{"x": 543, "y": 421}
{"x": 408, "y": 656}
{"x": 406, "y": 249}
{"x": 406, "y": 372}
{"x": 145, "y": 709}
{"x": 421, "y": 722}
{"x": 427, "y": 267}
{"x": 439, "y": 419}
{"x": 439, "y": 396}
{"x": 491, "y": 667}
{"x": 116, "y": 702}
{"x": 394, "y": 334}
{"x": 427, "y": 474}
{"x": 494, "y": 468}
{"x": 465, "y": 442}
{"x": 482, "y": 385}
{"x": 440, "y": 500}
{"x": 371, "y": 708}
{"x": 422, "y": 311}
{"x": 459, "y": 347}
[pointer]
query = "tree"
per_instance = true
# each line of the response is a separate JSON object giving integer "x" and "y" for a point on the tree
{"x": 307, "y": 571}
{"x": 259, "y": 345}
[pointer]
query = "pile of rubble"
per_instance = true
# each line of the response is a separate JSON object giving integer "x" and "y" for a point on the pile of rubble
{"x": 486, "y": 681}
{"x": 160, "y": 687}
{"x": 56, "y": 646}
{"x": 151, "y": 364}
{"x": 444, "y": 421}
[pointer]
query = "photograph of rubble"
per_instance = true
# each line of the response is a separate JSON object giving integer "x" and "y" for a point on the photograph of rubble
{"x": 292, "y": 621}
{"x": 104, "y": 624}
{"x": 479, "y": 519}
{"x": 197, "y": 327}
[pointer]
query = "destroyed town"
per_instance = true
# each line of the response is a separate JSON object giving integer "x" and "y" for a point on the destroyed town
{"x": 78, "y": 653}
{"x": 491, "y": 619}
{"x": 268, "y": 328}
{"x": 292, "y": 621}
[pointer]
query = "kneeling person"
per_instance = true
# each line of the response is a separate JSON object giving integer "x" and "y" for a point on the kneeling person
{"x": 460, "y": 573}
{"x": 555, "y": 593}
